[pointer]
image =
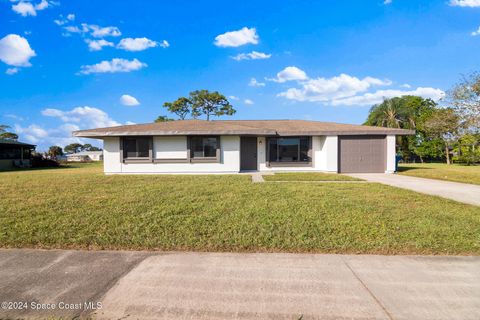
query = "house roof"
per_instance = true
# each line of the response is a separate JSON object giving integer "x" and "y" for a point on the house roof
{"x": 16, "y": 143}
{"x": 239, "y": 127}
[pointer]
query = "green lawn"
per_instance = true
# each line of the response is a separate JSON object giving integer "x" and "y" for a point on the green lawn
{"x": 82, "y": 208}
{"x": 308, "y": 176}
{"x": 441, "y": 171}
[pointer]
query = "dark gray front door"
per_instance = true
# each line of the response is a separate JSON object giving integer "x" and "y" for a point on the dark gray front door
{"x": 362, "y": 154}
{"x": 248, "y": 153}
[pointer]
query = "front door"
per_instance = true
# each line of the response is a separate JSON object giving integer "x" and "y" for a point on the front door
{"x": 248, "y": 153}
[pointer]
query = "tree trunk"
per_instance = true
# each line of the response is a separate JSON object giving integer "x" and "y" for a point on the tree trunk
{"x": 208, "y": 116}
{"x": 447, "y": 153}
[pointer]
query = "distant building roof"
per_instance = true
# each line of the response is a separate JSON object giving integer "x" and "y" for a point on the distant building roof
{"x": 240, "y": 127}
{"x": 17, "y": 143}
{"x": 85, "y": 153}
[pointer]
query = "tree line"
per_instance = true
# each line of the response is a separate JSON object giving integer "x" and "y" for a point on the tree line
{"x": 56, "y": 151}
{"x": 447, "y": 132}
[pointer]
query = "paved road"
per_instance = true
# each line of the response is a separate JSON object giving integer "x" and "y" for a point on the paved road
{"x": 71, "y": 277}
{"x": 139, "y": 285}
{"x": 462, "y": 192}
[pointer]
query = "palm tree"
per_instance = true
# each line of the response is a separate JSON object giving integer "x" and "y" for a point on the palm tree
{"x": 390, "y": 115}
{"x": 386, "y": 114}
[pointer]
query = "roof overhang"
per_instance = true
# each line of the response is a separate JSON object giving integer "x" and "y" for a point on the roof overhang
{"x": 96, "y": 134}
{"x": 399, "y": 132}
{"x": 100, "y": 135}
{"x": 239, "y": 128}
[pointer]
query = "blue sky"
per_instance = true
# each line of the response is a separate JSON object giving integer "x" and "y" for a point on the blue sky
{"x": 65, "y": 65}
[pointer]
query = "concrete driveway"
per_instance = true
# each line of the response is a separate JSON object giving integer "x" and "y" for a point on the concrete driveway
{"x": 242, "y": 286}
{"x": 461, "y": 192}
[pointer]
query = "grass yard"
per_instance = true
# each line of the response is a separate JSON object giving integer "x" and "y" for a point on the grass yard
{"x": 79, "y": 207}
{"x": 441, "y": 171}
{"x": 308, "y": 176}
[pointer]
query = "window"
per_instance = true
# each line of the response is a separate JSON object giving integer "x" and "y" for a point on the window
{"x": 291, "y": 149}
{"x": 10, "y": 152}
{"x": 204, "y": 147}
{"x": 137, "y": 147}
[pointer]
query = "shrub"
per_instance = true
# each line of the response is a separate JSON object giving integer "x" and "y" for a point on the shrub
{"x": 38, "y": 161}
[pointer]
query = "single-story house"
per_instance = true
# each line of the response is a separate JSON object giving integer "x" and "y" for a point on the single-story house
{"x": 85, "y": 156}
{"x": 15, "y": 154}
{"x": 228, "y": 146}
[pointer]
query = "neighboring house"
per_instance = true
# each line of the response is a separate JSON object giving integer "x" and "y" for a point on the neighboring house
{"x": 15, "y": 154}
{"x": 85, "y": 156}
{"x": 227, "y": 146}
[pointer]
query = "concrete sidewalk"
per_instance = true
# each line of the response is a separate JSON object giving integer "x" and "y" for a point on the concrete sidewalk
{"x": 242, "y": 286}
{"x": 461, "y": 192}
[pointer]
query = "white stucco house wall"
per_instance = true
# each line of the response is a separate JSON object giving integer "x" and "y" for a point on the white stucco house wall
{"x": 85, "y": 156}
{"x": 232, "y": 146}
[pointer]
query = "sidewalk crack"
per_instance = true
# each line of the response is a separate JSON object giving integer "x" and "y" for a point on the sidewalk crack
{"x": 369, "y": 291}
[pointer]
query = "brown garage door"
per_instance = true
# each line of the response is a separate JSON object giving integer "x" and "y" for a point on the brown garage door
{"x": 361, "y": 154}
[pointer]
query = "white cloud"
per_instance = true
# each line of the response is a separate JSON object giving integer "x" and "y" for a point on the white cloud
{"x": 33, "y": 133}
{"x": 128, "y": 100}
{"x": 386, "y": 2}
{"x": 15, "y": 51}
{"x": 254, "y": 83}
{"x": 11, "y": 71}
{"x": 101, "y": 32}
{"x": 377, "y": 82}
{"x": 61, "y": 20}
{"x": 97, "y": 45}
{"x": 237, "y": 38}
{"x": 44, "y": 138}
{"x": 94, "y": 30}
{"x": 234, "y": 97}
{"x": 42, "y": 5}
{"x": 254, "y": 55}
{"x": 13, "y": 116}
{"x": 73, "y": 29}
{"x": 113, "y": 66}
{"x": 164, "y": 44}
{"x": 137, "y": 44}
{"x": 378, "y": 96}
{"x": 248, "y": 101}
{"x": 327, "y": 89}
{"x": 476, "y": 33}
{"x": 69, "y": 127}
{"x": 349, "y": 90}
{"x": 86, "y": 116}
{"x": 71, "y": 120}
{"x": 465, "y": 3}
{"x": 406, "y": 85}
{"x": 26, "y": 8}
{"x": 289, "y": 74}
{"x": 54, "y": 113}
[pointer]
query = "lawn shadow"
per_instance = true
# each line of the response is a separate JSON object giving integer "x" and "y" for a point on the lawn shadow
{"x": 61, "y": 166}
{"x": 405, "y": 169}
